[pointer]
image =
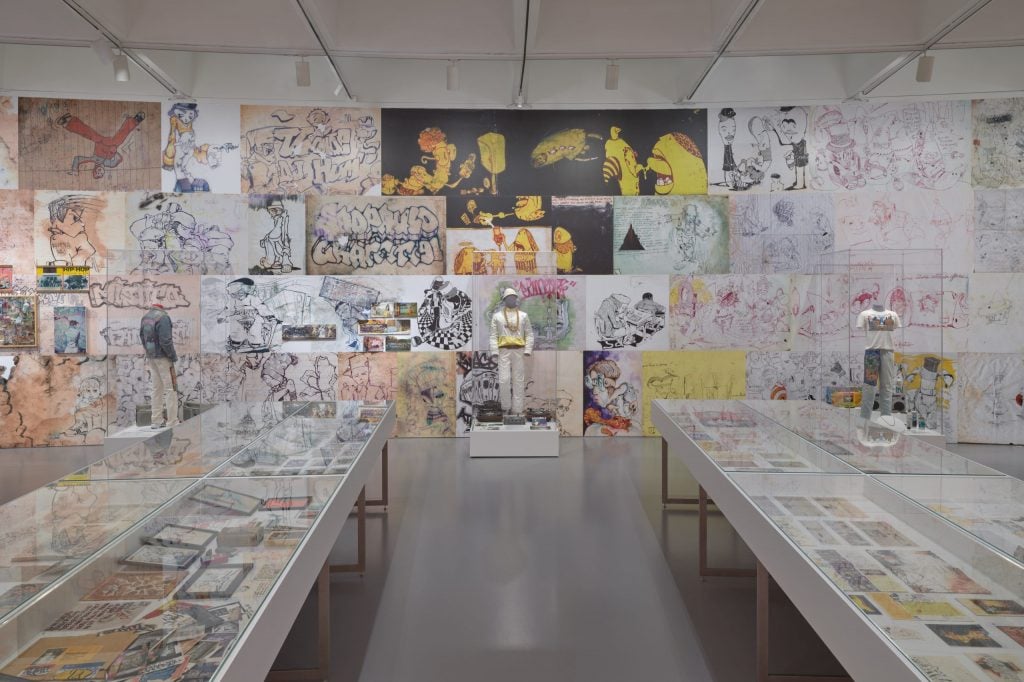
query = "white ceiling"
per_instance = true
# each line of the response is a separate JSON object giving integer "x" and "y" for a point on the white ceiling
{"x": 395, "y": 52}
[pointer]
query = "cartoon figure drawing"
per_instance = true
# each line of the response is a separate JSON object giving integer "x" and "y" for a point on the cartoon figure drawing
{"x": 357, "y": 382}
{"x": 277, "y": 243}
{"x": 181, "y": 244}
{"x": 181, "y": 153}
{"x": 564, "y": 250}
{"x": 106, "y": 148}
{"x": 71, "y": 216}
{"x": 445, "y": 317}
{"x": 612, "y": 406}
{"x": 443, "y": 154}
{"x": 565, "y": 145}
{"x": 252, "y": 324}
{"x": 727, "y": 130}
{"x": 797, "y": 157}
{"x": 618, "y": 325}
{"x": 274, "y": 374}
{"x": 930, "y": 396}
{"x": 675, "y": 160}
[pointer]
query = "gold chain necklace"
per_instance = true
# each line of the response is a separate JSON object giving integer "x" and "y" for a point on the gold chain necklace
{"x": 508, "y": 324}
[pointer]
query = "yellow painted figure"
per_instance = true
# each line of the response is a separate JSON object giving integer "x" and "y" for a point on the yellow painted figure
{"x": 564, "y": 250}
{"x": 678, "y": 164}
{"x": 621, "y": 164}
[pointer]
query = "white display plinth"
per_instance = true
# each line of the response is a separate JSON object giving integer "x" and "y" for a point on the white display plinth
{"x": 930, "y": 436}
{"x": 512, "y": 441}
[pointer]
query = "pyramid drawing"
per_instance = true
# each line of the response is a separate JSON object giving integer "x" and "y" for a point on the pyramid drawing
{"x": 631, "y": 242}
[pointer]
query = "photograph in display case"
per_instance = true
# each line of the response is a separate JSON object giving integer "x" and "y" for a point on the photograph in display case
{"x": 135, "y": 585}
{"x": 99, "y": 615}
{"x": 956, "y": 634}
{"x": 283, "y": 503}
{"x": 155, "y": 556}
{"x": 231, "y": 500}
{"x": 173, "y": 535}
{"x": 71, "y": 657}
{"x": 19, "y": 321}
{"x": 214, "y": 582}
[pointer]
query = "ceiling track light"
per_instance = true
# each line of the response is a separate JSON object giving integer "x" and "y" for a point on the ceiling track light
{"x": 925, "y": 66}
{"x": 302, "y": 78}
{"x": 452, "y": 75}
{"x": 520, "y": 102}
{"x": 122, "y": 74}
{"x": 611, "y": 76}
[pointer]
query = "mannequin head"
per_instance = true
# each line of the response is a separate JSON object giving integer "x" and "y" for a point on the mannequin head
{"x": 510, "y": 298}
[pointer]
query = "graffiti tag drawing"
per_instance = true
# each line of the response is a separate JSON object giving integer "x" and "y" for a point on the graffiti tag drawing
{"x": 891, "y": 146}
{"x": 186, "y": 163}
{"x": 88, "y": 144}
{"x": 757, "y": 150}
{"x": 176, "y": 234}
{"x": 998, "y": 142}
{"x": 296, "y": 150}
{"x": 687, "y": 235}
{"x": 387, "y": 236}
{"x": 731, "y": 311}
{"x": 780, "y": 233}
{"x": 999, "y": 230}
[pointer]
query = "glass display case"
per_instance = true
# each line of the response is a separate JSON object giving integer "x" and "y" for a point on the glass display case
{"x": 903, "y": 357}
{"x": 948, "y": 602}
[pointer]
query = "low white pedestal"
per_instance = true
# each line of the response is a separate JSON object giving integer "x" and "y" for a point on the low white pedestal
{"x": 512, "y": 441}
{"x": 898, "y": 424}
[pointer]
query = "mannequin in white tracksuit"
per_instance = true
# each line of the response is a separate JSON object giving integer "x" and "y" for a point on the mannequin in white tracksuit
{"x": 511, "y": 341}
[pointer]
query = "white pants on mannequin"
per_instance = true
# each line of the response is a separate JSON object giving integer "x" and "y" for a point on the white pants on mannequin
{"x": 164, "y": 396}
{"x": 511, "y": 379}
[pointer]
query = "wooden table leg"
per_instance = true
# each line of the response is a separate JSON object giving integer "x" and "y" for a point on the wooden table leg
{"x": 665, "y": 499}
{"x": 323, "y": 636}
{"x": 382, "y": 501}
{"x": 360, "y": 565}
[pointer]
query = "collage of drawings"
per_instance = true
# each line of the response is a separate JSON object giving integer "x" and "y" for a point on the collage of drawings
{"x": 659, "y": 254}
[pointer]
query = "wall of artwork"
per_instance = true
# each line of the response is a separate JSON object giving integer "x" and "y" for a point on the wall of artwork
{"x": 684, "y": 247}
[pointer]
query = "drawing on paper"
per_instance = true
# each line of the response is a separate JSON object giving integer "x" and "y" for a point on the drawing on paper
{"x": 367, "y": 376}
{"x": 426, "y": 398}
{"x": 8, "y": 142}
{"x": 74, "y": 390}
{"x": 375, "y": 236}
{"x": 556, "y": 307}
{"x": 891, "y": 145}
{"x": 269, "y": 377}
{"x": 582, "y": 235}
{"x": 445, "y": 317}
{"x": 991, "y": 398}
{"x": 19, "y": 321}
{"x": 780, "y": 375}
{"x": 691, "y": 375}
{"x": 731, "y": 311}
{"x": 88, "y": 144}
{"x": 70, "y": 332}
{"x": 686, "y": 235}
{"x": 998, "y": 230}
{"x": 299, "y": 150}
{"x": 17, "y": 234}
{"x": 998, "y": 133}
{"x": 930, "y": 387}
{"x": 780, "y": 232}
{"x": 627, "y": 312}
{"x": 277, "y": 235}
{"x": 350, "y": 300}
{"x": 123, "y": 301}
{"x": 192, "y": 165}
{"x": 612, "y": 392}
{"x": 499, "y": 251}
{"x": 186, "y": 234}
{"x": 757, "y": 150}
{"x": 77, "y": 228}
{"x": 997, "y": 324}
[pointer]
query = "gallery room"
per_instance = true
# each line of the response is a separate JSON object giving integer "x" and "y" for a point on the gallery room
{"x": 496, "y": 340}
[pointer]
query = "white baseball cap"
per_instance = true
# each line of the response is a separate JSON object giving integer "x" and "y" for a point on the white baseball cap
{"x": 509, "y": 291}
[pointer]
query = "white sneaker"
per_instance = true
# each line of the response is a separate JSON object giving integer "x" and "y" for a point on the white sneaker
{"x": 173, "y": 422}
{"x": 158, "y": 426}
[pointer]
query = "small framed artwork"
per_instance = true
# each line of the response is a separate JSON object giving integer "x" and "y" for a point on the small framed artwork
{"x": 214, "y": 582}
{"x": 309, "y": 332}
{"x": 155, "y": 556}
{"x": 373, "y": 344}
{"x": 383, "y": 309}
{"x": 6, "y": 277}
{"x": 284, "y": 503}
{"x": 406, "y": 309}
{"x": 395, "y": 344}
{"x": 69, "y": 330}
{"x": 135, "y": 586}
{"x": 173, "y": 535}
{"x": 285, "y": 538}
{"x": 19, "y": 321}
{"x": 47, "y": 279}
{"x": 231, "y": 500}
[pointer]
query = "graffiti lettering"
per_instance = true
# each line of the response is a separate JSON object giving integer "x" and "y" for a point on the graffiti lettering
{"x": 120, "y": 293}
{"x": 376, "y": 234}
{"x": 544, "y": 286}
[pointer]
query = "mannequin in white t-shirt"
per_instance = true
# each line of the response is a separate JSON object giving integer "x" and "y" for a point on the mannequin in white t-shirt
{"x": 878, "y": 324}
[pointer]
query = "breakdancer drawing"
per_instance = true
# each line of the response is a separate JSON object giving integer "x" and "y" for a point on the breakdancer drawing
{"x": 105, "y": 148}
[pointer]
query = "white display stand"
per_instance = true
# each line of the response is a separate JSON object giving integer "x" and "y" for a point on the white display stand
{"x": 513, "y": 441}
{"x": 930, "y": 436}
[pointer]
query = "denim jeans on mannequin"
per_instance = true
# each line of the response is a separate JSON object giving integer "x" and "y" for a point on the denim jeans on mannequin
{"x": 886, "y": 384}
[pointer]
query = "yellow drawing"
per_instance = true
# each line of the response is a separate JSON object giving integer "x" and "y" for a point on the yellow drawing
{"x": 492, "y": 157}
{"x": 526, "y": 262}
{"x": 526, "y": 208}
{"x": 464, "y": 259}
{"x": 621, "y": 164}
{"x": 675, "y": 160}
{"x": 432, "y": 141}
{"x": 691, "y": 375}
{"x": 564, "y": 249}
{"x": 566, "y": 145}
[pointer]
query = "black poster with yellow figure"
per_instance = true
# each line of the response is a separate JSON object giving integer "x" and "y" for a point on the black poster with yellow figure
{"x": 473, "y": 153}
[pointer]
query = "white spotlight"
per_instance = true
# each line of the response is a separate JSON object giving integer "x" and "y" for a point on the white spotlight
{"x": 337, "y": 90}
{"x": 925, "y": 65}
{"x": 103, "y": 50}
{"x": 302, "y": 73}
{"x": 611, "y": 76}
{"x": 453, "y": 75}
{"x": 121, "y": 72}
{"x": 520, "y": 103}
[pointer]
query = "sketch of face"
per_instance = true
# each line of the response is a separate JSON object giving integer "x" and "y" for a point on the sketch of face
{"x": 89, "y": 392}
{"x": 186, "y": 116}
{"x": 727, "y": 129}
{"x": 318, "y": 118}
{"x": 788, "y": 128}
{"x": 239, "y": 291}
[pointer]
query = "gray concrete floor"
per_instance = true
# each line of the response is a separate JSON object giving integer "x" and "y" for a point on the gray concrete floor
{"x": 538, "y": 570}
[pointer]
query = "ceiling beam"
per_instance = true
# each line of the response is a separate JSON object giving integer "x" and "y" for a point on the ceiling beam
{"x": 897, "y": 65}
{"x": 319, "y": 34}
{"x": 730, "y": 35}
{"x": 139, "y": 59}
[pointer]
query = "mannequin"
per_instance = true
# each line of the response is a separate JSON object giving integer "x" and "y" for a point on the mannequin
{"x": 879, "y": 364}
{"x": 511, "y": 341}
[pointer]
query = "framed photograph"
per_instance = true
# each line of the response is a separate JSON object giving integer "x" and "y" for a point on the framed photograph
{"x": 373, "y": 344}
{"x": 993, "y": 607}
{"x": 19, "y": 321}
{"x": 47, "y": 279}
{"x": 284, "y": 503}
{"x": 406, "y": 309}
{"x": 136, "y": 586}
{"x": 385, "y": 326}
{"x": 309, "y": 332}
{"x": 155, "y": 556}
{"x": 394, "y": 344}
{"x": 285, "y": 538}
{"x": 6, "y": 278}
{"x": 214, "y": 582}
{"x": 231, "y": 500}
{"x": 963, "y": 635}
{"x": 70, "y": 330}
{"x": 383, "y": 309}
{"x": 173, "y": 535}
